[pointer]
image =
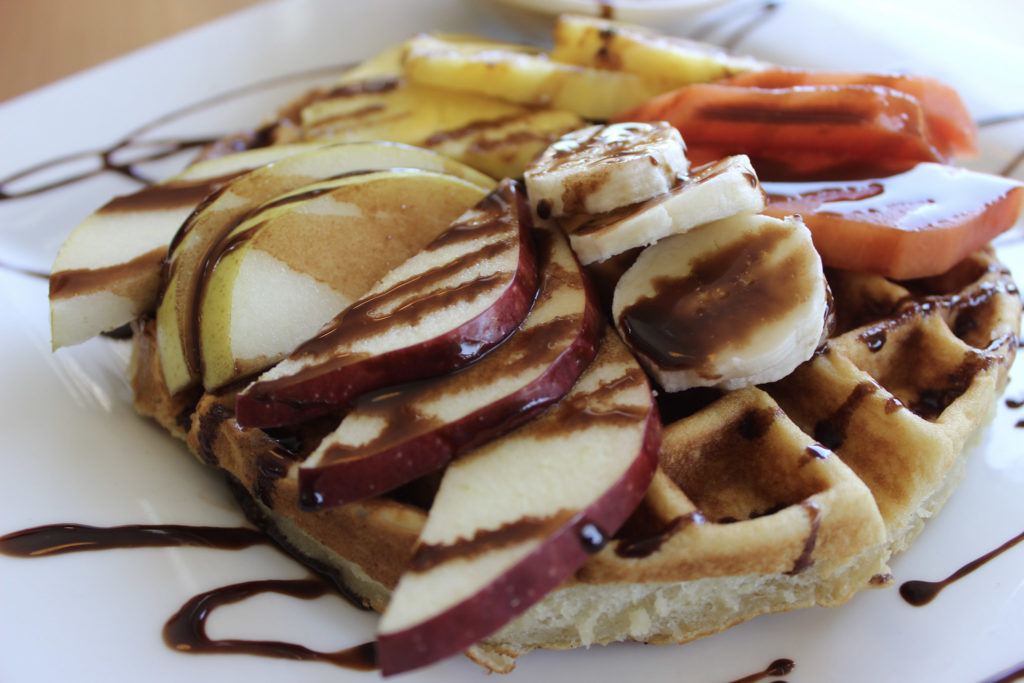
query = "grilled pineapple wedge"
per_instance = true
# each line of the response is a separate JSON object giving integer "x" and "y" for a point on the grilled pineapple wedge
{"x": 530, "y": 78}
{"x": 493, "y": 136}
{"x": 665, "y": 61}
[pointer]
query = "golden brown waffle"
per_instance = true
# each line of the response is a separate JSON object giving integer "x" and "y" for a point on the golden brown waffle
{"x": 767, "y": 499}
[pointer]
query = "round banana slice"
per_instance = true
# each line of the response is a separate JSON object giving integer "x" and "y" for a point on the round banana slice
{"x": 601, "y": 168}
{"x": 711, "y": 192}
{"x": 732, "y": 303}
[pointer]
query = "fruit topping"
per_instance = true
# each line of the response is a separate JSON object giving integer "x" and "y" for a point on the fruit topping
{"x": 711, "y": 192}
{"x": 440, "y": 310}
{"x": 950, "y": 126}
{"x": 517, "y": 516}
{"x": 400, "y": 433}
{"x": 667, "y": 60}
{"x": 300, "y": 259}
{"x": 914, "y": 224}
{"x": 800, "y": 131}
{"x": 524, "y": 77}
{"x": 196, "y": 246}
{"x": 737, "y": 302}
{"x": 601, "y": 168}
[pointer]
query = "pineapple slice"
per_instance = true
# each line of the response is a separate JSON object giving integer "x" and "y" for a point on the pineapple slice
{"x": 524, "y": 77}
{"x": 668, "y": 61}
{"x": 493, "y": 136}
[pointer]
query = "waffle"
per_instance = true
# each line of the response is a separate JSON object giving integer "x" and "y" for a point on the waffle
{"x": 766, "y": 499}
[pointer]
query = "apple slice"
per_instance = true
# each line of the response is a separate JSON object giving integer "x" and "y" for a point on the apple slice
{"x": 392, "y": 437}
{"x": 440, "y": 310}
{"x": 302, "y": 258}
{"x": 517, "y": 516}
{"x": 191, "y": 251}
{"x": 107, "y": 272}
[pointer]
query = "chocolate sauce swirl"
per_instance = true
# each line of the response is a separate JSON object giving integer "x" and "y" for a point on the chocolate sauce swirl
{"x": 186, "y": 630}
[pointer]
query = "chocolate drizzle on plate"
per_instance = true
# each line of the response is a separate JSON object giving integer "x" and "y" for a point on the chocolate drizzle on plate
{"x": 57, "y": 539}
{"x": 920, "y": 593}
{"x": 186, "y": 630}
{"x": 126, "y": 155}
{"x": 780, "y": 667}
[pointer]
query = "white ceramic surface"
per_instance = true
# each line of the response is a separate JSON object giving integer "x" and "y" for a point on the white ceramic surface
{"x": 73, "y": 450}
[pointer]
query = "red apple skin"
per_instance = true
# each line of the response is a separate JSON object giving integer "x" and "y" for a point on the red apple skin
{"x": 293, "y": 399}
{"x": 356, "y": 478}
{"x": 528, "y": 581}
{"x": 368, "y": 472}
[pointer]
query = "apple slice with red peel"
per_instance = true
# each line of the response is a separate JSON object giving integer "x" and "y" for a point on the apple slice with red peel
{"x": 394, "y": 436}
{"x": 191, "y": 252}
{"x": 514, "y": 518}
{"x": 438, "y": 311}
{"x": 296, "y": 262}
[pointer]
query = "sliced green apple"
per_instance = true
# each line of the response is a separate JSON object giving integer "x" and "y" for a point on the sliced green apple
{"x": 396, "y": 435}
{"x": 107, "y": 272}
{"x": 196, "y": 240}
{"x": 516, "y": 517}
{"x": 438, "y": 311}
{"x": 302, "y": 258}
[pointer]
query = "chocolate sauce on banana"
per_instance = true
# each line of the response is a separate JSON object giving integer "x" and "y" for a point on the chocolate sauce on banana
{"x": 724, "y": 299}
{"x": 920, "y": 593}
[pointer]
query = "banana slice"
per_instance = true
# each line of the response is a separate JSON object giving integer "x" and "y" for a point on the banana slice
{"x": 712, "y": 192}
{"x": 602, "y": 168}
{"x": 732, "y": 303}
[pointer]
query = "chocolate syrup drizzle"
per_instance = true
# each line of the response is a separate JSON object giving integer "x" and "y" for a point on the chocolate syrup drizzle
{"x": 780, "y": 667}
{"x": 919, "y": 593}
{"x": 135, "y": 151}
{"x": 185, "y": 631}
{"x": 57, "y": 539}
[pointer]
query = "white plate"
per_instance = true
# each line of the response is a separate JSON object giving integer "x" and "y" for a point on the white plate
{"x": 73, "y": 450}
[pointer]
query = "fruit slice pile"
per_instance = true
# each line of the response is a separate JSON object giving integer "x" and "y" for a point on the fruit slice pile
{"x": 716, "y": 296}
{"x": 439, "y": 310}
{"x": 543, "y": 498}
{"x": 209, "y": 234}
{"x": 391, "y": 437}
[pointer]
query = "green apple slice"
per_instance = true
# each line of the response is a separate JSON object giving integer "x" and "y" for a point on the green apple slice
{"x": 177, "y": 312}
{"x": 107, "y": 272}
{"x": 302, "y": 258}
